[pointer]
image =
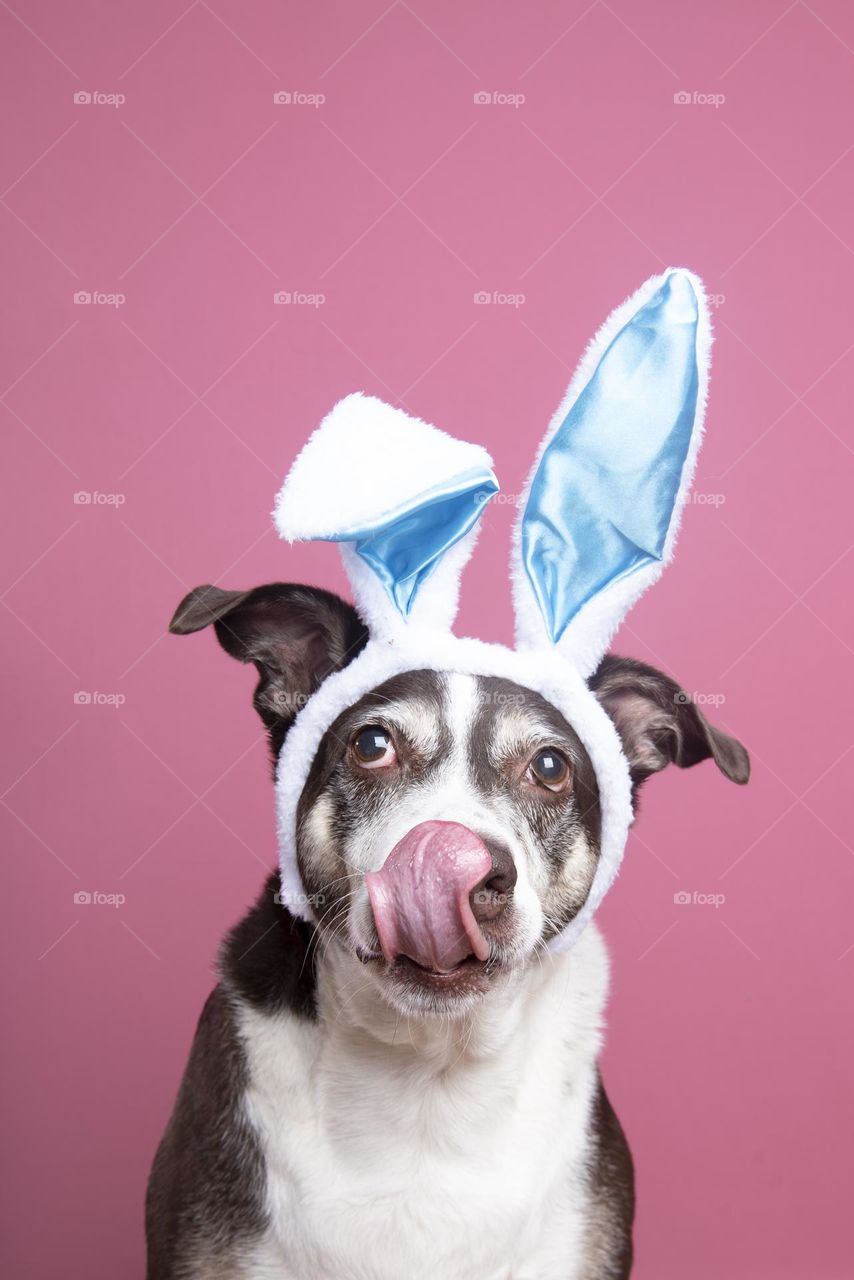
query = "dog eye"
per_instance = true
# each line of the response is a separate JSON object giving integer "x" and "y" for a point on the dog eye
{"x": 372, "y": 746}
{"x": 551, "y": 769}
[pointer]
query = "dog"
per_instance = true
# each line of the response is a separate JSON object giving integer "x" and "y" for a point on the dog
{"x": 407, "y": 1088}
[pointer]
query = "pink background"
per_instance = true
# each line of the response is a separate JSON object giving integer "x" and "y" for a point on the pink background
{"x": 398, "y": 198}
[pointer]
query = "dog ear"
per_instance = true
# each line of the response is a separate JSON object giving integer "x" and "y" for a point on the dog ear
{"x": 296, "y": 636}
{"x": 660, "y": 724}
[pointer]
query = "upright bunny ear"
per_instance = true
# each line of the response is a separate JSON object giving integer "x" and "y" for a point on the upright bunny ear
{"x": 604, "y": 499}
{"x": 403, "y": 499}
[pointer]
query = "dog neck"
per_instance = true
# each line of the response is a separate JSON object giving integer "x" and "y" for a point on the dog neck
{"x": 545, "y": 998}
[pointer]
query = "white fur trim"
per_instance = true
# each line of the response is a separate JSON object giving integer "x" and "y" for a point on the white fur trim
{"x": 435, "y": 606}
{"x": 588, "y": 635}
{"x": 365, "y": 461}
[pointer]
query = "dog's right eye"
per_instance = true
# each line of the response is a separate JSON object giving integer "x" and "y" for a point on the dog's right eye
{"x": 372, "y": 747}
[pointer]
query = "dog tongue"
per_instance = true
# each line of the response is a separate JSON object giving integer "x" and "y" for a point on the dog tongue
{"x": 420, "y": 897}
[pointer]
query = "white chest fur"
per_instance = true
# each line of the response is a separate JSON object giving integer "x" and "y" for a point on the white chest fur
{"x": 453, "y": 1150}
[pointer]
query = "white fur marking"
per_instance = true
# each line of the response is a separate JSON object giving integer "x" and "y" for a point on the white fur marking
{"x": 429, "y": 1150}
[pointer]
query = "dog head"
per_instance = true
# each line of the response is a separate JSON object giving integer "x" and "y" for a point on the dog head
{"x": 446, "y": 806}
{"x": 449, "y": 826}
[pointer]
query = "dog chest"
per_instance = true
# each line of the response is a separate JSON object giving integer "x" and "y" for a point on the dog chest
{"x": 381, "y": 1164}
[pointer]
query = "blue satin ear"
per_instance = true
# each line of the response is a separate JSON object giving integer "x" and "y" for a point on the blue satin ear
{"x": 405, "y": 546}
{"x": 602, "y": 499}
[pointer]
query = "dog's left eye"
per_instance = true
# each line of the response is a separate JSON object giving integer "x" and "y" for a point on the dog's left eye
{"x": 551, "y": 769}
{"x": 372, "y": 746}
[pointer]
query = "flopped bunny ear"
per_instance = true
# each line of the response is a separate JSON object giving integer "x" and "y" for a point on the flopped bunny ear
{"x": 401, "y": 497}
{"x": 600, "y": 514}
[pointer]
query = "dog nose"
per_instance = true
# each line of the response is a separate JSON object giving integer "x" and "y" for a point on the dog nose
{"x": 490, "y": 898}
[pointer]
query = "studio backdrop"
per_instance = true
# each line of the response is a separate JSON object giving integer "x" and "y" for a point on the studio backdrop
{"x": 217, "y": 220}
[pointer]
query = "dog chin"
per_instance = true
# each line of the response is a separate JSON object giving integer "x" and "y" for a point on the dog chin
{"x": 411, "y": 989}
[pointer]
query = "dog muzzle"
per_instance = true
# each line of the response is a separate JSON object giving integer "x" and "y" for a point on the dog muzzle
{"x": 421, "y": 896}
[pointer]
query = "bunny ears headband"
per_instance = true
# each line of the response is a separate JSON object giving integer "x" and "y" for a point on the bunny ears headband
{"x": 597, "y": 524}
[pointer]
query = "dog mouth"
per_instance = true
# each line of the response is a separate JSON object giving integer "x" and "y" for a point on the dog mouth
{"x": 467, "y": 977}
{"x": 426, "y": 906}
{"x": 421, "y": 898}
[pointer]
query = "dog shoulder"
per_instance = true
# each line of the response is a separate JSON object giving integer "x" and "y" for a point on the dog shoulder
{"x": 610, "y": 1193}
{"x": 206, "y": 1186}
{"x": 608, "y": 1241}
{"x": 205, "y": 1206}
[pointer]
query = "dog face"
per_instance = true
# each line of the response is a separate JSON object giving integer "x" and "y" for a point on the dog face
{"x": 450, "y": 823}
{"x": 474, "y": 806}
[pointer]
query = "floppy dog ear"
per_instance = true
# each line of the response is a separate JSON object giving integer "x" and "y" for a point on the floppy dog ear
{"x": 296, "y": 636}
{"x": 660, "y": 724}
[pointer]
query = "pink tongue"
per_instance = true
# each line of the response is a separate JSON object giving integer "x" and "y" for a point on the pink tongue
{"x": 420, "y": 897}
